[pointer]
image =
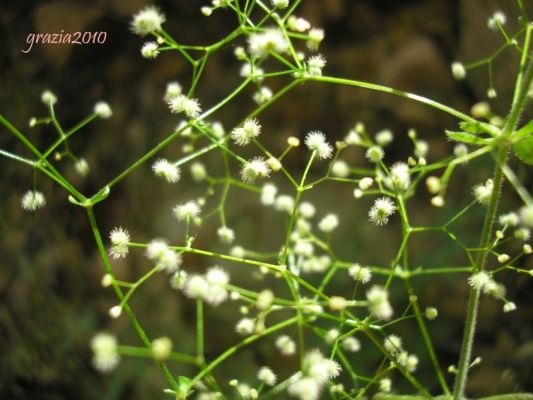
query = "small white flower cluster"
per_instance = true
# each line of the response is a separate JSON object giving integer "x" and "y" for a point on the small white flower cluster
{"x": 103, "y": 110}
{"x": 105, "y": 356}
{"x": 260, "y": 44}
{"x": 286, "y": 345}
{"x": 378, "y": 303}
{"x": 210, "y": 287}
{"x": 32, "y": 200}
{"x": 458, "y": 70}
{"x": 485, "y": 283}
{"x": 188, "y": 211}
{"x": 382, "y": 209}
{"x": 146, "y": 21}
{"x": 150, "y": 50}
{"x": 244, "y": 134}
{"x": 496, "y": 20}
{"x": 165, "y": 169}
{"x": 267, "y": 376}
{"x": 120, "y": 239}
{"x": 483, "y": 192}
{"x": 165, "y": 258}
{"x": 316, "y": 141}
{"x": 255, "y": 168}
{"x": 393, "y": 344}
{"x": 182, "y": 104}
{"x": 315, "y": 64}
{"x": 48, "y": 98}
{"x": 399, "y": 178}
{"x": 317, "y": 370}
{"x": 360, "y": 274}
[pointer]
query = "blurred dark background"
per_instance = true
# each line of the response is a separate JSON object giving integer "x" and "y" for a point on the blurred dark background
{"x": 50, "y": 294}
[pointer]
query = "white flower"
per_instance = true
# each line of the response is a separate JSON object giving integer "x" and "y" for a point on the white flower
{"x": 217, "y": 279}
{"x": 120, "y": 239}
{"x": 316, "y": 141}
{"x": 102, "y": 110}
{"x": 375, "y": 154}
{"x": 526, "y": 215}
{"x": 304, "y": 248}
{"x": 510, "y": 219}
{"x": 245, "y": 326}
{"x": 161, "y": 348}
{"x": 225, "y": 234}
{"x": 198, "y": 171}
{"x": 48, "y": 98}
{"x": 316, "y": 264}
{"x": 385, "y": 385}
{"x": 105, "y": 356}
{"x": 263, "y": 95}
{"x": 384, "y": 137}
{"x": 264, "y": 300}
{"x": 360, "y": 274}
{"x": 166, "y": 259}
{"x": 365, "y": 183}
{"x": 146, "y": 21}
{"x": 306, "y": 210}
{"x": 280, "y": 3}
{"x": 187, "y": 211}
{"x": 479, "y": 280}
{"x": 82, "y": 167}
{"x": 196, "y": 287}
{"x": 315, "y": 64}
{"x": 253, "y": 169}
{"x": 399, "y": 177}
{"x": 267, "y": 376}
{"x": 250, "y": 70}
{"x": 261, "y": 43}
{"x": 165, "y": 169}
{"x": 316, "y": 35}
{"x": 305, "y": 389}
{"x": 177, "y": 281}
{"x": 421, "y": 148}
{"x": 498, "y": 18}
{"x": 298, "y": 24}
{"x": 249, "y": 130}
{"x": 393, "y": 344}
{"x": 268, "y": 194}
{"x": 172, "y": 90}
{"x": 182, "y": 104}
{"x": 32, "y": 200}
{"x": 328, "y": 223}
{"x": 351, "y": 344}
{"x": 284, "y": 203}
{"x": 378, "y": 303}
{"x": 340, "y": 169}
{"x": 150, "y": 50}
{"x": 382, "y": 209}
{"x": 509, "y": 306}
{"x": 483, "y": 192}
{"x": 458, "y": 70}
{"x": 286, "y": 345}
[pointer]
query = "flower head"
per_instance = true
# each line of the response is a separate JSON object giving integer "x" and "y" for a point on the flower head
{"x": 315, "y": 64}
{"x": 167, "y": 170}
{"x": 316, "y": 141}
{"x": 378, "y": 303}
{"x": 32, "y": 200}
{"x": 249, "y": 130}
{"x": 182, "y": 104}
{"x": 146, "y": 21}
{"x": 105, "y": 356}
{"x": 260, "y": 44}
{"x": 187, "y": 211}
{"x": 382, "y": 209}
{"x": 48, "y": 98}
{"x": 328, "y": 223}
{"x": 360, "y": 274}
{"x": 166, "y": 259}
{"x": 150, "y": 50}
{"x": 120, "y": 239}
{"x": 102, "y": 110}
{"x": 253, "y": 169}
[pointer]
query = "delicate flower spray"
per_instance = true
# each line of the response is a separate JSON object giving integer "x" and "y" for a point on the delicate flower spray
{"x": 310, "y": 294}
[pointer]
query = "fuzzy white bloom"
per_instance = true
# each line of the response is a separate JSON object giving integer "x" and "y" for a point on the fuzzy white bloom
{"x": 298, "y": 24}
{"x": 182, "y": 104}
{"x": 431, "y": 313}
{"x": 316, "y": 141}
{"x": 509, "y": 306}
{"x": 399, "y": 177}
{"x": 351, "y": 344}
{"x": 164, "y": 169}
{"x": 105, "y": 356}
{"x": 249, "y": 130}
{"x": 393, "y": 344}
{"x": 306, "y": 210}
{"x": 384, "y": 137}
{"x": 102, "y": 110}
{"x": 331, "y": 335}
{"x": 161, "y": 348}
{"x": 354, "y": 135}
{"x": 173, "y": 89}
{"x": 217, "y": 279}
{"x": 421, "y": 148}
{"x": 480, "y": 280}
{"x": 480, "y": 109}
{"x": 263, "y": 95}
{"x": 315, "y": 64}
{"x": 526, "y": 215}
{"x": 458, "y": 70}
{"x": 249, "y": 70}
{"x": 340, "y": 169}
{"x": 382, "y": 209}
{"x": 150, "y": 50}
{"x": 385, "y": 385}
{"x": 304, "y": 248}
{"x": 198, "y": 171}
{"x": 510, "y": 219}
{"x": 82, "y": 167}
{"x": 267, "y": 376}
{"x": 264, "y": 300}
{"x": 166, "y": 259}
{"x": 497, "y": 19}
{"x": 268, "y": 194}
{"x": 187, "y": 211}
{"x": 245, "y": 326}
{"x": 196, "y": 287}
{"x": 261, "y": 43}
{"x": 225, "y": 234}
{"x": 284, "y": 203}
{"x": 460, "y": 150}
{"x": 48, "y": 98}
{"x": 365, "y": 183}
{"x": 316, "y": 264}
{"x": 32, "y": 200}
{"x": 293, "y": 141}
{"x": 328, "y": 223}
{"x": 360, "y": 274}
{"x": 433, "y": 184}
{"x": 316, "y": 35}
{"x": 375, "y": 154}
{"x": 253, "y": 169}
{"x": 305, "y": 389}
{"x": 146, "y": 21}
{"x": 285, "y": 345}
{"x": 177, "y": 281}
{"x": 280, "y": 3}
{"x": 522, "y": 234}
{"x": 120, "y": 239}
{"x": 206, "y": 11}
{"x": 483, "y": 192}
{"x": 378, "y": 303}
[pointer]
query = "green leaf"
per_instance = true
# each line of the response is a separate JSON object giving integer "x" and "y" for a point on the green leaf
{"x": 467, "y": 138}
{"x": 471, "y": 127}
{"x": 524, "y": 132}
{"x": 524, "y": 150}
